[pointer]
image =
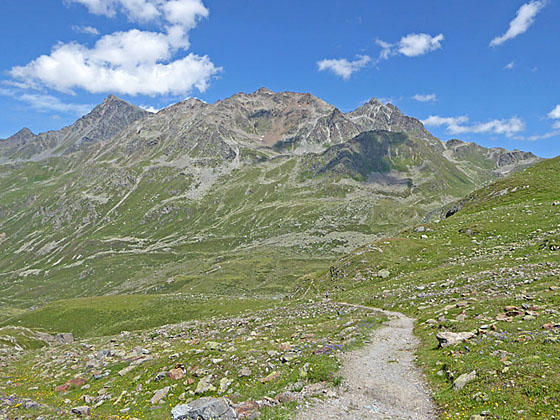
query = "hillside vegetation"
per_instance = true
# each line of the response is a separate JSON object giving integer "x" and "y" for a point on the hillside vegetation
{"x": 491, "y": 269}
{"x": 151, "y": 259}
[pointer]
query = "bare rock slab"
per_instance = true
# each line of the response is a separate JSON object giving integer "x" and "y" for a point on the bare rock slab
{"x": 448, "y": 338}
{"x": 205, "y": 409}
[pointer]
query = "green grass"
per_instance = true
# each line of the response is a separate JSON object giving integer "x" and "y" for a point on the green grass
{"x": 108, "y": 315}
{"x": 498, "y": 251}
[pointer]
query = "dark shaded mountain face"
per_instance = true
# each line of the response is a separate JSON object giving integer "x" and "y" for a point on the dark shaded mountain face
{"x": 248, "y": 192}
{"x": 101, "y": 124}
{"x": 369, "y": 152}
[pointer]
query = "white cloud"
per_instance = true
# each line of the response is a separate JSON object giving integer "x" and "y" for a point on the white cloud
{"x": 89, "y": 30}
{"x": 540, "y": 136}
{"x": 555, "y": 113}
{"x": 342, "y": 67}
{"x": 47, "y": 103}
{"x": 523, "y": 20}
{"x": 509, "y": 66}
{"x": 459, "y": 125}
{"x": 139, "y": 10}
{"x": 182, "y": 12}
{"x": 150, "y": 108}
{"x": 411, "y": 45}
{"x": 432, "y": 97}
{"x": 98, "y": 7}
{"x": 133, "y": 62}
{"x": 386, "y": 49}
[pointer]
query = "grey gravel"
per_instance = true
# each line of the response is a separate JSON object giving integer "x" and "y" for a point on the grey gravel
{"x": 380, "y": 381}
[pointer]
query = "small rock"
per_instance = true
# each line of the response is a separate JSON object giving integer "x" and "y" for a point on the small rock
{"x": 271, "y": 377}
{"x": 212, "y": 345}
{"x": 160, "y": 376}
{"x": 288, "y": 357}
{"x": 159, "y": 395}
{"x": 64, "y": 338}
{"x": 82, "y": 411}
{"x": 463, "y": 380}
{"x": 287, "y": 396}
{"x": 176, "y": 374}
{"x": 244, "y": 372}
{"x": 205, "y": 385}
{"x": 247, "y": 410}
{"x": 224, "y": 385}
{"x": 384, "y": 273}
{"x": 76, "y": 383}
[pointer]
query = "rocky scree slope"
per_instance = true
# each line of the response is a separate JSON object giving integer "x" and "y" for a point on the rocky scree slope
{"x": 241, "y": 196}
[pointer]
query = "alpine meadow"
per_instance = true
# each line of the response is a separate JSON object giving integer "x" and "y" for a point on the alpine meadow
{"x": 187, "y": 250}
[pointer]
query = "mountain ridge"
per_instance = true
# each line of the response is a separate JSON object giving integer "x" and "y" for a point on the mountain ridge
{"x": 203, "y": 193}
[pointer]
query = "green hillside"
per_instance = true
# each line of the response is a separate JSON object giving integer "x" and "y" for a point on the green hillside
{"x": 493, "y": 268}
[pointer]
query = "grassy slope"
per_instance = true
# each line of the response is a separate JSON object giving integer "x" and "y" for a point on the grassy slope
{"x": 108, "y": 315}
{"x": 103, "y": 228}
{"x": 501, "y": 250}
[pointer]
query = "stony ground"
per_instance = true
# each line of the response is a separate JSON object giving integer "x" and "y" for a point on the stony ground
{"x": 263, "y": 361}
{"x": 381, "y": 381}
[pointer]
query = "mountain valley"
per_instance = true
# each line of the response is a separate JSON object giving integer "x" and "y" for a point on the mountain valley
{"x": 213, "y": 250}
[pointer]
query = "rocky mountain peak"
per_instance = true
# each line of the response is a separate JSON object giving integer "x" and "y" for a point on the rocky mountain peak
{"x": 376, "y": 115}
{"x": 22, "y": 134}
{"x": 25, "y": 132}
{"x": 22, "y": 137}
{"x": 263, "y": 91}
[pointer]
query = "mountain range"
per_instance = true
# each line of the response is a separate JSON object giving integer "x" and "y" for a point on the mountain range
{"x": 248, "y": 193}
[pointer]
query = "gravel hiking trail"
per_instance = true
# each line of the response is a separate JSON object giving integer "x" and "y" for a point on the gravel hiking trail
{"x": 381, "y": 380}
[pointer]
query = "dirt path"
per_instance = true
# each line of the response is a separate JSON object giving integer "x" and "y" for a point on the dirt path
{"x": 380, "y": 381}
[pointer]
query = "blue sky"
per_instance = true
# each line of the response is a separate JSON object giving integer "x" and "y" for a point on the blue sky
{"x": 484, "y": 71}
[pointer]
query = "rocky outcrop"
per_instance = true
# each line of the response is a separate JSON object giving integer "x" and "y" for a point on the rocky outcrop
{"x": 205, "y": 409}
{"x": 448, "y": 338}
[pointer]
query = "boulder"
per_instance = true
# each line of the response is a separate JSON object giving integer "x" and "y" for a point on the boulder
{"x": 64, "y": 338}
{"x": 247, "y": 410}
{"x": 176, "y": 374}
{"x": 205, "y": 409}
{"x": 159, "y": 395}
{"x": 83, "y": 411}
{"x": 463, "y": 380}
{"x": 448, "y": 338}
